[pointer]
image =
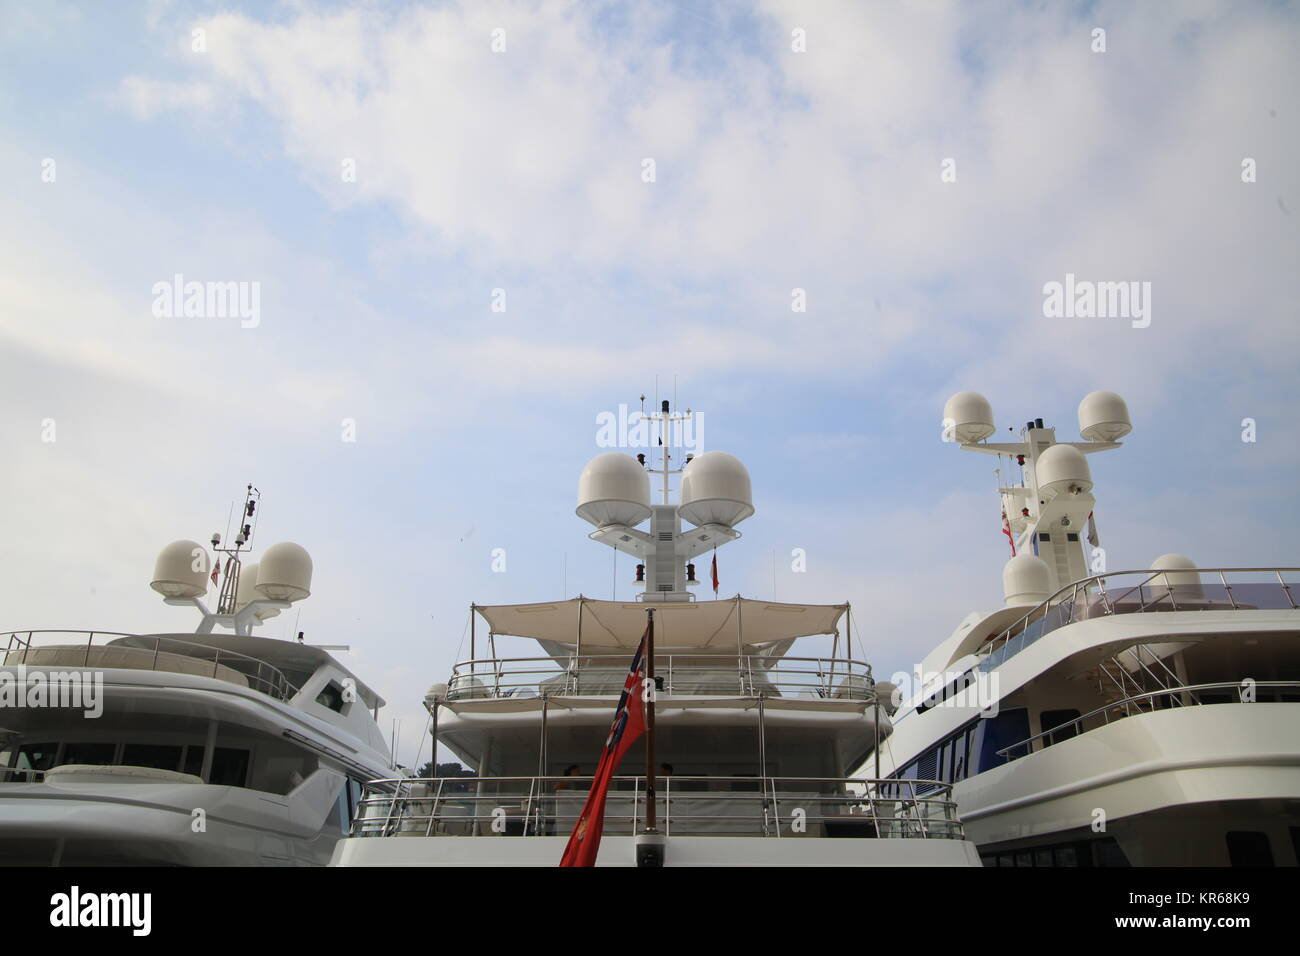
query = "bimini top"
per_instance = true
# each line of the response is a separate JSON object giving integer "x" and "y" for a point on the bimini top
{"x": 722, "y": 627}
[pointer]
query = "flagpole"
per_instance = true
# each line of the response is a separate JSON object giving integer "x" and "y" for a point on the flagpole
{"x": 650, "y": 843}
{"x": 650, "y": 821}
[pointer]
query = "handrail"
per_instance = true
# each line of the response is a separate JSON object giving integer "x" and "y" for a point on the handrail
{"x": 1190, "y": 689}
{"x": 683, "y": 674}
{"x": 548, "y": 806}
{"x": 1021, "y": 624}
{"x": 281, "y": 689}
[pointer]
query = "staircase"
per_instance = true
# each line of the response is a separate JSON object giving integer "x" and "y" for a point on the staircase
{"x": 1118, "y": 681}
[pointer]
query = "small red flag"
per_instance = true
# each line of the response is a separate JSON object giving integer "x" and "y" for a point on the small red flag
{"x": 216, "y": 569}
{"x": 1006, "y": 529}
{"x": 629, "y": 724}
{"x": 715, "y": 572}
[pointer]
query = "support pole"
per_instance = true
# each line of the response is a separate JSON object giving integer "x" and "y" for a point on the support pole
{"x": 541, "y": 748}
{"x": 875, "y": 724}
{"x": 578, "y": 651}
{"x": 433, "y": 732}
{"x": 209, "y": 750}
{"x": 650, "y": 821}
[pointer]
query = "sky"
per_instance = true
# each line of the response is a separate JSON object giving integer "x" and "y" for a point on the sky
{"x": 475, "y": 228}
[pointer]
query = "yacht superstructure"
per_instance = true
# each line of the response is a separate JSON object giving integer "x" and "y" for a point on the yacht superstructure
{"x": 1104, "y": 718}
{"x": 200, "y": 748}
{"x": 753, "y": 740}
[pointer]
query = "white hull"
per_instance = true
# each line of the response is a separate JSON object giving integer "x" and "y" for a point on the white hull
{"x": 681, "y": 851}
{"x": 1171, "y": 784}
{"x": 133, "y": 824}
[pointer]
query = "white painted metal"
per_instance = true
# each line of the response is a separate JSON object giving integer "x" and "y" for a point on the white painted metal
{"x": 1179, "y": 736}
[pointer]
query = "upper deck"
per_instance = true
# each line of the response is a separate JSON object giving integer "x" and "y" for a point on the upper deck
{"x": 278, "y": 668}
{"x": 1136, "y": 592}
{"x": 730, "y": 648}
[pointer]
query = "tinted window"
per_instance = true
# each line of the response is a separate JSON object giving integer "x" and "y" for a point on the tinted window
{"x": 331, "y": 697}
{"x": 97, "y": 755}
{"x": 1249, "y": 848}
{"x": 193, "y": 760}
{"x": 158, "y": 756}
{"x": 229, "y": 767}
{"x": 1008, "y": 727}
{"x": 36, "y": 756}
{"x": 1049, "y": 719}
{"x": 1108, "y": 853}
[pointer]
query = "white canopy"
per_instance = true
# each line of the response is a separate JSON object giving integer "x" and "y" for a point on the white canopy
{"x": 697, "y": 626}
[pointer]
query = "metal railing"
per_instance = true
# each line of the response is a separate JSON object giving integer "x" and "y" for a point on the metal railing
{"x": 1143, "y": 591}
{"x": 682, "y": 674}
{"x": 1188, "y": 695}
{"x": 21, "y": 775}
{"x": 792, "y": 807}
{"x": 261, "y": 676}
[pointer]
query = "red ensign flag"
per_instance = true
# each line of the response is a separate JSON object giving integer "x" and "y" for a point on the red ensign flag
{"x": 629, "y": 724}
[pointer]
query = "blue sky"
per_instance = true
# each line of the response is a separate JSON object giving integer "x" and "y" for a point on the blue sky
{"x": 521, "y": 170}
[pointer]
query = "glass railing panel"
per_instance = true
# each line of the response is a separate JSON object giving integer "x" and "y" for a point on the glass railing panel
{"x": 550, "y": 806}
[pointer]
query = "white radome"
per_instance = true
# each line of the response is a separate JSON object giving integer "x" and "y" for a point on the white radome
{"x": 613, "y": 489}
{"x": 1187, "y": 584}
{"x": 174, "y": 574}
{"x": 284, "y": 573}
{"x": 1062, "y": 469}
{"x": 1026, "y": 580}
{"x": 716, "y": 490}
{"x": 970, "y": 416}
{"x": 885, "y": 692}
{"x": 247, "y": 592}
{"x": 1103, "y": 416}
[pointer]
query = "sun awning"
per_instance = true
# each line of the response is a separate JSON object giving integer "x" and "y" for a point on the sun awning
{"x": 695, "y": 625}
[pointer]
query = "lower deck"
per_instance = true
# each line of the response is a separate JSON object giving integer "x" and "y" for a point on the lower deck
{"x": 678, "y": 851}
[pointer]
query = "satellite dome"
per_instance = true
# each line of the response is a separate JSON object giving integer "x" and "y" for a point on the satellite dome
{"x": 1062, "y": 469}
{"x": 1103, "y": 416}
{"x": 1026, "y": 580}
{"x": 613, "y": 489}
{"x": 887, "y": 693}
{"x": 284, "y": 573}
{"x": 1186, "y": 584}
{"x": 970, "y": 415}
{"x": 247, "y": 592}
{"x": 716, "y": 490}
{"x": 174, "y": 574}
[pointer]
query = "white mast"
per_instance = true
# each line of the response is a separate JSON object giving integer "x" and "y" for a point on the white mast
{"x": 1048, "y": 512}
{"x": 614, "y": 495}
{"x": 181, "y": 576}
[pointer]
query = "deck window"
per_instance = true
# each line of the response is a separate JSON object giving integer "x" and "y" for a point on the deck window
{"x": 229, "y": 767}
{"x": 36, "y": 756}
{"x": 995, "y": 733}
{"x": 158, "y": 756}
{"x": 1054, "y": 718}
{"x": 91, "y": 754}
{"x": 332, "y": 697}
{"x": 1249, "y": 848}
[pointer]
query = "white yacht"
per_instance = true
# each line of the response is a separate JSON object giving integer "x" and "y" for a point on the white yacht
{"x": 185, "y": 749}
{"x": 1108, "y": 718}
{"x": 752, "y": 740}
